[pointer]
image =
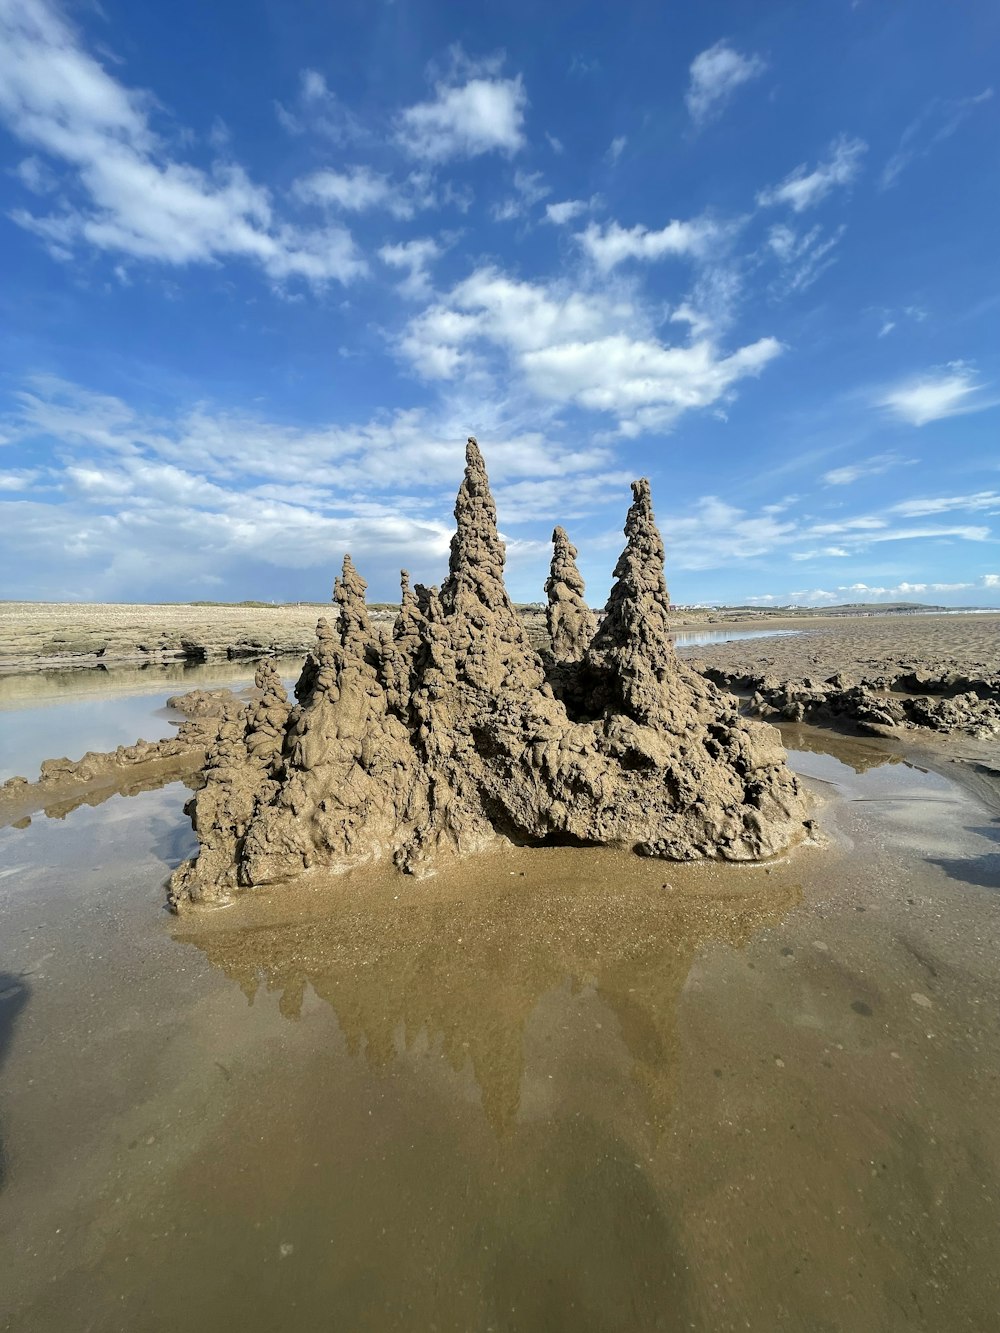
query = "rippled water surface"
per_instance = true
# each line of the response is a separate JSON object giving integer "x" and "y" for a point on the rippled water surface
{"x": 547, "y": 1089}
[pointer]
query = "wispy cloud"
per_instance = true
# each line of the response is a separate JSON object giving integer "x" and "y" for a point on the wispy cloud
{"x": 802, "y": 188}
{"x": 529, "y": 189}
{"x": 949, "y": 391}
{"x": 864, "y": 467}
{"x": 980, "y": 501}
{"x": 317, "y": 110}
{"x": 937, "y": 122}
{"x": 616, "y": 148}
{"x": 716, "y": 74}
{"x": 804, "y": 256}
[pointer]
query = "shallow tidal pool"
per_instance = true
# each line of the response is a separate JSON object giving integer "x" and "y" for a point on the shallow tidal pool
{"x": 547, "y": 1089}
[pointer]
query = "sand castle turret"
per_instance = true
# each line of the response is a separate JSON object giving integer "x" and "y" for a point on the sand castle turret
{"x": 570, "y": 621}
{"x": 491, "y": 645}
{"x": 632, "y": 651}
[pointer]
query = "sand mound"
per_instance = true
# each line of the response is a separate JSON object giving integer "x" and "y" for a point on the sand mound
{"x": 450, "y": 733}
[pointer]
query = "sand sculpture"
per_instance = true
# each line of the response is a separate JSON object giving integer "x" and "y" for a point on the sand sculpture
{"x": 570, "y": 621}
{"x": 452, "y": 732}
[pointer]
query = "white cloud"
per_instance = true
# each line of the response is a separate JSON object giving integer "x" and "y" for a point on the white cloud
{"x": 357, "y": 189}
{"x": 138, "y": 200}
{"x": 566, "y": 211}
{"x": 612, "y": 245}
{"x": 716, "y": 74}
{"x": 949, "y": 391}
{"x": 409, "y": 447}
{"x": 822, "y": 553}
{"x": 465, "y": 120}
{"x": 715, "y": 534}
{"x": 938, "y": 121}
{"x": 811, "y": 597}
{"x": 890, "y": 319}
{"x": 864, "y": 467}
{"x": 904, "y": 589}
{"x": 803, "y": 189}
{"x": 415, "y": 257}
{"x": 228, "y": 487}
{"x": 645, "y": 384}
{"x": 595, "y": 351}
{"x": 616, "y": 148}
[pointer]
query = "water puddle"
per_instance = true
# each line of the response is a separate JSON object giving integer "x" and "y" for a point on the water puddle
{"x": 699, "y": 638}
{"x": 54, "y": 714}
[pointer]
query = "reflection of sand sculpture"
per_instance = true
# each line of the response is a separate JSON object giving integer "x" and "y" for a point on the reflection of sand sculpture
{"x": 448, "y": 735}
{"x": 469, "y": 969}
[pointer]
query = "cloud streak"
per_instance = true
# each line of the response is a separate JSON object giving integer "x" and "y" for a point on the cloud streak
{"x": 802, "y": 188}
{"x": 937, "y": 122}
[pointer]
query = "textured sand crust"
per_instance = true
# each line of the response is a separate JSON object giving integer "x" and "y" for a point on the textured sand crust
{"x": 452, "y": 732}
{"x": 940, "y": 673}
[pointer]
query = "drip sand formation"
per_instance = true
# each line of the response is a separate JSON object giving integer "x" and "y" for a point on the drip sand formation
{"x": 453, "y": 732}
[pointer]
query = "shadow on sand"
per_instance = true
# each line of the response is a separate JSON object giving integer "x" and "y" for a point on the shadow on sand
{"x": 14, "y": 992}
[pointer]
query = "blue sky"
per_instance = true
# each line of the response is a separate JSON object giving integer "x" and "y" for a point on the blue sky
{"x": 265, "y": 266}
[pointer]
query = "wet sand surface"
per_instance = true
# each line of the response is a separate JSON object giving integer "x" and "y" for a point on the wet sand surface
{"x": 553, "y": 1088}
